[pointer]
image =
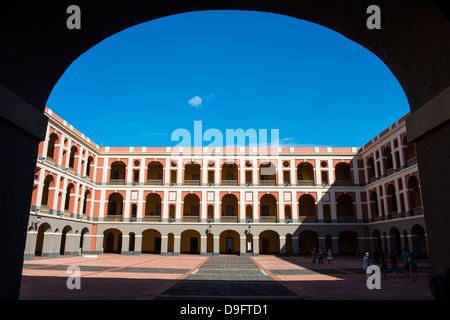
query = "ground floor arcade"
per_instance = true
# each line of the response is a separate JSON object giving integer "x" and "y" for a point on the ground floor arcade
{"x": 51, "y": 237}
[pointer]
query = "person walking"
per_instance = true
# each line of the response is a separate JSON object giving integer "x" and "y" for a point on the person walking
{"x": 366, "y": 263}
{"x": 413, "y": 267}
{"x": 405, "y": 257}
{"x": 320, "y": 255}
{"x": 313, "y": 253}
{"x": 330, "y": 256}
{"x": 394, "y": 263}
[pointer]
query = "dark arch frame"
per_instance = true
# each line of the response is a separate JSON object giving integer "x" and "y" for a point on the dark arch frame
{"x": 414, "y": 42}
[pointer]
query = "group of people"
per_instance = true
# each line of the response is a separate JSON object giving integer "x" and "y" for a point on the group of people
{"x": 382, "y": 259}
{"x": 320, "y": 255}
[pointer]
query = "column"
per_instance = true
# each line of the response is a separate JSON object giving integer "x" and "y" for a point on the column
{"x": 255, "y": 246}
{"x": 30, "y": 245}
{"x": 125, "y": 245}
{"x": 72, "y": 244}
{"x": 295, "y": 245}
{"x": 243, "y": 246}
{"x": 216, "y": 246}
{"x": 282, "y": 240}
{"x": 176, "y": 245}
{"x": 203, "y": 244}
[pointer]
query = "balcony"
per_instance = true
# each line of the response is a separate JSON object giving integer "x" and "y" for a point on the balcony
{"x": 155, "y": 182}
{"x": 229, "y": 183}
{"x": 190, "y": 219}
{"x": 309, "y": 219}
{"x": 113, "y": 218}
{"x": 191, "y": 182}
{"x": 343, "y": 183}
{"x": 268, "y": 219}
{"x": 267, "y": 183}
{"x": 152, "y": 218}
{"x": 305, "y": 183}
{"x": 116, "y": 181}
{"x": 229, "y": 219}
{"x": 344, "y": 219}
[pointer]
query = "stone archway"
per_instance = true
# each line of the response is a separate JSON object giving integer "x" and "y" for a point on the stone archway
{"x": 413, "y": 42}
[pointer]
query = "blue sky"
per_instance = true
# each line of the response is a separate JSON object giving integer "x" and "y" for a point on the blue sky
{"x": 230, "y": 70}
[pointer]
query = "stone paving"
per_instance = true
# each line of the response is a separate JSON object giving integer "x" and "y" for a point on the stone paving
{"x": 193, "y": 277}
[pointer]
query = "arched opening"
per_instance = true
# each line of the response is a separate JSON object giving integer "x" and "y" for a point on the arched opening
{"x": 192, "y": 174}
{"x": 151, "y": 241}
{"x": 307, "y": 208}
{"x": 326, "y": 213}
{"x": 153, "y": 207}
{"x": 118, "y": 172}
{"x": 415, "y": 198}
{"x": 155, "y": 172}
{"x": 45, "y": 72}
{"x": 115, "y": 206}
{"x": 387, "y": 161}
{"x": 343, "y": 174}
{"x": 348, "y": 242}
{"x": 112, "y": 241}
{"x": 268, "y": 208}
{"x": 48, "y": 183}
{"x": 87, "y": 196}
{"x": 230, "y": 208}
{"x": 308, "y": 240}
{"x": 72, "y": 158}
{"x": 419, "y": 241}
{"x": 288, "y": 213}
{"x": 267, "y": 174}
{"x": 172, "y": 212}
{"x": 371, "y": 169}
{"x": 190, "y": 242}
{"x": 376, "y": 240}
{"x": 395, "y": 243}
{"x": 39, "y": 249}
{"x": 132, "y": 242}
{"x": 409, "y": 151}
{"x": 133, "y": 214}
{"x": 249, "y": 212}
{"x": 89, "y": 163}
{"x": 52, "y": 141}
{"x": 392, "y": 201}
{"x": 68, "y": 202}
{"x": 191, "y": 208}
{"x": 269, "y": 242}
{"x": 374, "y": 210}
{"x": 345, "y": 208}
{"x": 62, "y": 247}
{"x": 229, "y": 242}
{"x": 84, "y": 232}
{"x": 230, "y": 174}
{"x": 305, "y": 174}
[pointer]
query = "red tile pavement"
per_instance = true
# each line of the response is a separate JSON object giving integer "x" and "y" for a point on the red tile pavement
{"x": 344, "y": 282}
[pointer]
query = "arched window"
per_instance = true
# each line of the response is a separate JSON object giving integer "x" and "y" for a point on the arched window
{"x": 117, "y": 175}
{"x": 343, "y": 175}
{"x": 305, "y": 174}
{"x": 345, "y": 208}
{"x": 52, "y": 139}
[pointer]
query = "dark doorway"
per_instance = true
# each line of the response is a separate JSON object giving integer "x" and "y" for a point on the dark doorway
{"x": 193, "y": 245}
{"x": 230, "y": 245}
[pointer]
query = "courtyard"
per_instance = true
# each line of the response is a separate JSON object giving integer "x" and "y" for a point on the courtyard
{"x": 228, "y": 277}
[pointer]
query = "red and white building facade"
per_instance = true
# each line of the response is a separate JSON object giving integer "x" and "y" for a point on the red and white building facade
{"x": 89, "y": 199}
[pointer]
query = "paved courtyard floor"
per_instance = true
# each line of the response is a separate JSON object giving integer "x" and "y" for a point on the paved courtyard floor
{"x": 193, "y": 277}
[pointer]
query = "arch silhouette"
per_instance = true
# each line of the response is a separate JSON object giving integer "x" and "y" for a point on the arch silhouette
{"x": 32, "y": 61}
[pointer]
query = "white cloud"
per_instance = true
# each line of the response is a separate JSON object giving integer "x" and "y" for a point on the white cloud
{"x": 196, "y": 101}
